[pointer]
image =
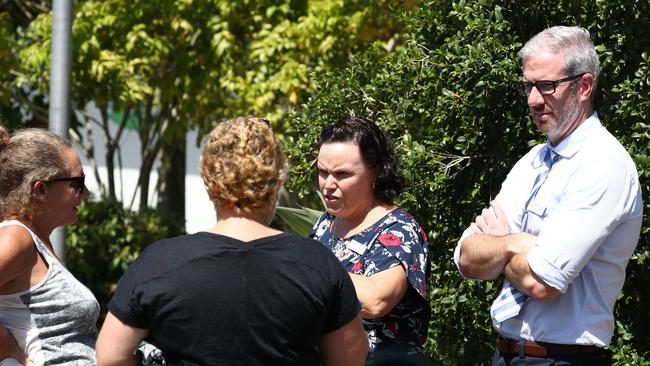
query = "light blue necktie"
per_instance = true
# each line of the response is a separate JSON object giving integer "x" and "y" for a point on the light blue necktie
{"x": 510, "y": 300}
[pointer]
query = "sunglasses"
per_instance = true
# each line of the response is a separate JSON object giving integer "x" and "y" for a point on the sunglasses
{"x": 78, "y": 183}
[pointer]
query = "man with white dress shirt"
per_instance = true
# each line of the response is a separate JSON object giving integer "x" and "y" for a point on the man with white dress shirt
{"x": 566, "y": 221}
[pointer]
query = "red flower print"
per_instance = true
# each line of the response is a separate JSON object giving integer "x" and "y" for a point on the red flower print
{"x": 356, "y": 266}
{"x": 389, "y": 240}
{"x": 392, "y": 326}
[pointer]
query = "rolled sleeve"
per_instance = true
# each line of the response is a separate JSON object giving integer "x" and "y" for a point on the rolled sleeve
{"x": 592, "y": 209}
{"x": 549, "y": 267}
{"x": 468, "y": 232}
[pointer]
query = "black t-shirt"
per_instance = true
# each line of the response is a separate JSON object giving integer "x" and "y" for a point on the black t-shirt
{"x": 213, "y": 300}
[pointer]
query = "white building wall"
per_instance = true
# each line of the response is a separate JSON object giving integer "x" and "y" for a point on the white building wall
{"x": 199, "y": 212}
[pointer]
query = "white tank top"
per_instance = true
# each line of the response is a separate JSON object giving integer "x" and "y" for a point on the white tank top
{"x": 53, "y": 322}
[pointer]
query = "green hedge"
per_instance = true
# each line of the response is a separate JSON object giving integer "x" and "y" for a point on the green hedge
{"x": 445, "y": 98}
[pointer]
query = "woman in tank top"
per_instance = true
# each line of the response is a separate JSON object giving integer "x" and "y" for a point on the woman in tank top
{"x": 46, "y": 315}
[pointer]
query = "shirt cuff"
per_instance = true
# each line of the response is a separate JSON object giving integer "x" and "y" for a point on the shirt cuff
{"x": 466, "y": 233}
{"x": 549, "y": 268}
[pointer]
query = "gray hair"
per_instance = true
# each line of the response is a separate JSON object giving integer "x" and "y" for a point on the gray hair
{"x": 574, "y": 42}
{"x": 29, "y": 155}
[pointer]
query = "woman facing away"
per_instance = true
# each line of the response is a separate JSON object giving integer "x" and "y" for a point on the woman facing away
{"x": 241, "y": 292}
{"x": 382, "y": 247}
{"x": 46, "y": 315}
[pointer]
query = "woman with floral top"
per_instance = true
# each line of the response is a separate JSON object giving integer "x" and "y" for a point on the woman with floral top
{"x": 380, "y": 244}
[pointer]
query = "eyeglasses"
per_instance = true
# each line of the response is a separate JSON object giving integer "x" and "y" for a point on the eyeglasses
{"x": 78, "y": 183}
{"x": 544, "y": 87}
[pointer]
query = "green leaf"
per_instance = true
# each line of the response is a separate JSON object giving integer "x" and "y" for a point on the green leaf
{"x": 300, "y": 220}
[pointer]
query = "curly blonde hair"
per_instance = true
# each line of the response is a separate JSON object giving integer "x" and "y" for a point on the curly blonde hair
{"x": 29, "y": 155}
{"x": 243, "y": 166}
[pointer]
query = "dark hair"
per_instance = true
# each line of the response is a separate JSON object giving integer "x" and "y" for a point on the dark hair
{"x": 376, "y": 153}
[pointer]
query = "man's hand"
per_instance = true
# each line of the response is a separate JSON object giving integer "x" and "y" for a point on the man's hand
{"x": 492, "y": 221}
{"x": 520, "y": 243}
{"x": 485, "y": 253}
{"x": 519, "y": 273}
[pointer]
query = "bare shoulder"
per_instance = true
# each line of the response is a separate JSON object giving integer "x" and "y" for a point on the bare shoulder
{"x": 16, "y": 236}
{"x": 17, "y": 251}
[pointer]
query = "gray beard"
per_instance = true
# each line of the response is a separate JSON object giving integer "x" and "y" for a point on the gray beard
{"x": 565, "y": 117}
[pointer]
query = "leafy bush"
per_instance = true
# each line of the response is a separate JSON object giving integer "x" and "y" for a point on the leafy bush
{"x": 107, "y": 239}
{"x": 445, "y": 98}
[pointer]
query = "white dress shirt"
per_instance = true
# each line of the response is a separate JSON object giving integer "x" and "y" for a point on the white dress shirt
{"x": 587, "y": 216}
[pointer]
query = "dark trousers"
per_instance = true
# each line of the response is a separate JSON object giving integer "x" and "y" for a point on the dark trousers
{"x": 397, "y": 358}
{"x": 585, "y": 359}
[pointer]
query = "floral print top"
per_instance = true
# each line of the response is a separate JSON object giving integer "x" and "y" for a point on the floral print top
{"x": 396, "y": 239}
